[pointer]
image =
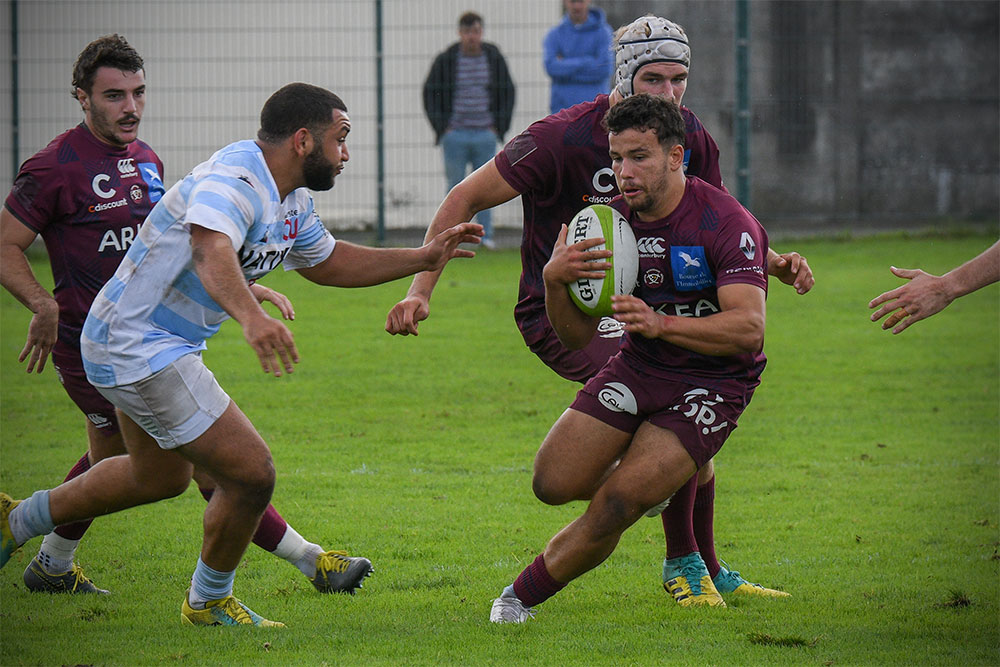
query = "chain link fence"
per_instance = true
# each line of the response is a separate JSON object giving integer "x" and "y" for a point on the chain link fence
{"x": 864, "y": 115}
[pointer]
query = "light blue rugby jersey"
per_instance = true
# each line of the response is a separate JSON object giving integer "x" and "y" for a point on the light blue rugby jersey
{"x": 155, "y": 308}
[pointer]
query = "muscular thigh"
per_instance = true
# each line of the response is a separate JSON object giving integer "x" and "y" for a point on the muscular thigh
{"x": 655, "y": 465}
{"x": 231, "y": 450}
{"x": 577, "y": 453}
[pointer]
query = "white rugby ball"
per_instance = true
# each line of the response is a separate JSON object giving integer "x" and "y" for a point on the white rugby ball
{"x": 593, "y": 295}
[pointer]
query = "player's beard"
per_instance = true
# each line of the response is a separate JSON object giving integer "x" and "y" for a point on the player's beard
{"x": 108, "y": 131}
{"x": 317, "y": 171}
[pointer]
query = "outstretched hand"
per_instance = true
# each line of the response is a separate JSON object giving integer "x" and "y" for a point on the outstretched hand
{"x": 444, "y": 247}
{"x": 792, "y": 269}
{"x": 916, "y": 300}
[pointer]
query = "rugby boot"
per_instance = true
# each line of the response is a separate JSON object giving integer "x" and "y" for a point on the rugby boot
{"x": 227, "y": 611}
{"x": 510, "y": 609}
{"x": 336, "y": 572}
{"x": 8, "y": 545}
{"x": 74, "y": 580}
{"x": 686, "y": 579}
{"x": 729, "y": 581}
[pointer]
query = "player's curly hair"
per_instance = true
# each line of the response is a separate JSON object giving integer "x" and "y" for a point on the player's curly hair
{"x": 107, "y": 51}
{"x": 295, "y": 106}
{"x": 646, "y": 112}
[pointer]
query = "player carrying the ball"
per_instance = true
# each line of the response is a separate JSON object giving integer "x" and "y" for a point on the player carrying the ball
{"x": 557, "y": 166}
{"x": 691, "y": 356}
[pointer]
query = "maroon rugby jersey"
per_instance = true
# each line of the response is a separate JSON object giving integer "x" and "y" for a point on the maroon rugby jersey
{"x": 560, "y": 164}
{"x": 707, "y": 242}
{"x": 87, "y": 199}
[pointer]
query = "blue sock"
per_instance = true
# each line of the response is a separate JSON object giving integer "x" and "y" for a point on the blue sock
{"x": 208, "y": 584}
{"x": 31, "y": 517}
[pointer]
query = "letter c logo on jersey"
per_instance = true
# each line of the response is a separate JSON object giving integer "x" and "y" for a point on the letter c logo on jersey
{"x": 618, "y": 398}
{"x": 99, "y": 190}
{"x": 599, "y": 185}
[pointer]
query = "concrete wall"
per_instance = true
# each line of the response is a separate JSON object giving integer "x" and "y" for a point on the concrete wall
{"x": 866, "y": 113}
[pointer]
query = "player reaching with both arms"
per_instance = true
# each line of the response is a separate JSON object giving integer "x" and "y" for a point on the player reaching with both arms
{"x": 665, "y": 403}
{"x": 559, "y": 165}
{"x": 86, "y": 194}
{"x": 229, "y": 222}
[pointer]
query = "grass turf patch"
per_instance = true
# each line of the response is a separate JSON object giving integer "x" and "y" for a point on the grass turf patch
{"x": 863, "y": 479}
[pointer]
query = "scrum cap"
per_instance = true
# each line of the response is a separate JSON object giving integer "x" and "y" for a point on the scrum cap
{"x": 649, "y": 39}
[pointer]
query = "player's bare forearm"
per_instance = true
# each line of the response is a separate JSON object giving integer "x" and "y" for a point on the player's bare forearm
{"x": 351, "y": 265}
{"x": 219, "y": 270}
{"x": 17, "y": 278}
{"x": 737, "y": 329}
{"x": 16, "y": 275}
{"x": 573, "y": 327}
{"x": 982, "y": 270}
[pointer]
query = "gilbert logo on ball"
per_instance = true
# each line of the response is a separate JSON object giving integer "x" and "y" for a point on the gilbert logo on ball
{"x": 593, "y": 295}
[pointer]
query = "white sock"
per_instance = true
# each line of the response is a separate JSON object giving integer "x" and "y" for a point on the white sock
{"x": 297, "y": 551}
{"x": 56, "y": 553}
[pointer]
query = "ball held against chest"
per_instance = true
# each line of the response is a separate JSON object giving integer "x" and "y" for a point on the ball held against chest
{"x": 593, "y": 295}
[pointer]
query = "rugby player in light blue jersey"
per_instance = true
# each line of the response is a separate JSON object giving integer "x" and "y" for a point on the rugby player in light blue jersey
{"x": 232, "y": 220}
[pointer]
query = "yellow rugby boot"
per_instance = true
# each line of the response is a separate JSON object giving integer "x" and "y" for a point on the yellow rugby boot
{"x": 729, "y": 581}
{"x": 227, "y": 611}
{"x": 686, "y": 579}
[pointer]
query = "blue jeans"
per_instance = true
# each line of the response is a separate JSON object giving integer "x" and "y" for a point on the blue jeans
{"x": 463, "y": 147}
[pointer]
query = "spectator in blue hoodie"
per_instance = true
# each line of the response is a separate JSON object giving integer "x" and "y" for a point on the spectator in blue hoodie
{"x": 578, "y": 55}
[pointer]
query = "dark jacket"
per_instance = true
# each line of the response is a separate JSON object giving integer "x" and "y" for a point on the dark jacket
{"x": 439, "y": 89}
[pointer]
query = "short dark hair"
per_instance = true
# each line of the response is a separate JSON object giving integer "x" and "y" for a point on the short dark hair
{"x": 295, "y": 106}
{"x": 645, "y": 112}
{"x": 469, "y": 19}
{"x": 107, "y": 51}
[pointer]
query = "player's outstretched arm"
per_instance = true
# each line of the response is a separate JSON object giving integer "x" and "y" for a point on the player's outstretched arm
{"x": 566, "y": 265}
{"x": 927, "y": 294}
{"x": 351, "y": 265}
{"x": 480, "y": 190}
{"x": 219, "y": 270}
{"x": 18, "y": 279}
{"x": 792, "y": 269}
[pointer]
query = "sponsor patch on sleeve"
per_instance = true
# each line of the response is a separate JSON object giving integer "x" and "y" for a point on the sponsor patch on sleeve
{"x": 151, "y": 175}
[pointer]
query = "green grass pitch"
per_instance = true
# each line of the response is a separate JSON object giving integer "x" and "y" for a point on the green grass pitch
{"x": 864, "y": 479}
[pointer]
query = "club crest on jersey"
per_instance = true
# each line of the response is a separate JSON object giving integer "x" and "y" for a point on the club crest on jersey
{"x": 154, "y": 183}
{"x": 690, "y": 268}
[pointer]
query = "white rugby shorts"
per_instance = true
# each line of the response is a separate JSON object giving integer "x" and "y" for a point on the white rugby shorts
{"x": 174, "y": 405}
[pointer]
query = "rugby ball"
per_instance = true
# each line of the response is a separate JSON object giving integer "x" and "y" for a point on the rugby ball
{"x": 593, "y": 295}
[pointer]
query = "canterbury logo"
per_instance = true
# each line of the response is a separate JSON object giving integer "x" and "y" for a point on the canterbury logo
{"x": 651, "y": 245}
{"x": 125, "y": 166}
